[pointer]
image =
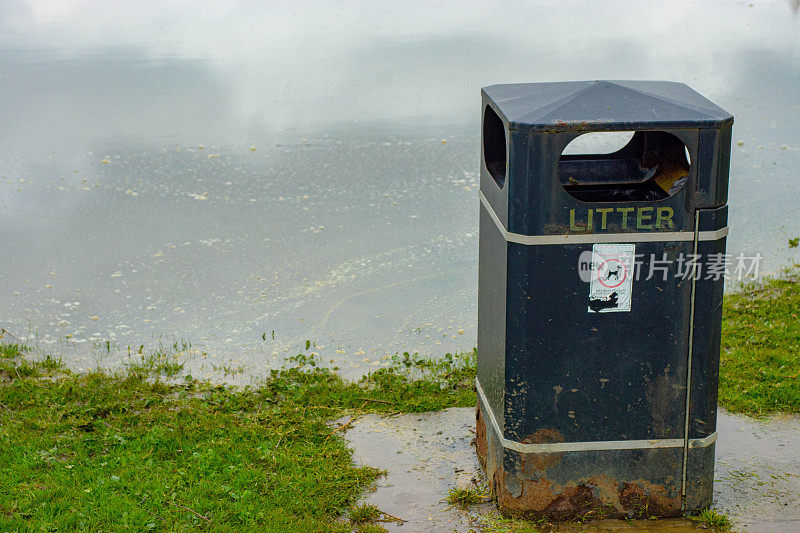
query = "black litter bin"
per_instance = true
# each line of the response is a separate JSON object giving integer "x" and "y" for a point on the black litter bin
{"x": 598, "y": 323}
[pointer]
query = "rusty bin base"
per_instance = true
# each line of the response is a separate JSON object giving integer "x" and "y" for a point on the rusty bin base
{"x": 624, "y": 483}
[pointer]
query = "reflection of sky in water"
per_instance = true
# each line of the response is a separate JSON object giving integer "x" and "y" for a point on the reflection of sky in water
{"x": 323, "y": 203}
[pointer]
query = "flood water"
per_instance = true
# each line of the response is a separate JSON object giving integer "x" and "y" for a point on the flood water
{"x": 248, "y": 177}
{"x": 756, "y": 479}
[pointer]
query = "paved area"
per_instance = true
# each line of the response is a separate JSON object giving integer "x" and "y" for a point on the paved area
{"x": 757, "y": 478}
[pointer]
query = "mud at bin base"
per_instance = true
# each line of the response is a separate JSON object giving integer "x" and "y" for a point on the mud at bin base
{"x": 580, "y": 484}
{"x": 597, "y": 382}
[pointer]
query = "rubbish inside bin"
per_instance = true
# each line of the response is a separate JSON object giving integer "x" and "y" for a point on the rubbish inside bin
{"x": 652, "y": 166}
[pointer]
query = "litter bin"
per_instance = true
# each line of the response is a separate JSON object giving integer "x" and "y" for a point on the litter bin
{"x": 598, "y": 321}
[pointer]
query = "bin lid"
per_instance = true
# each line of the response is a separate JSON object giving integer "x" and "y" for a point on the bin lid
{"x": 604, "y": 106}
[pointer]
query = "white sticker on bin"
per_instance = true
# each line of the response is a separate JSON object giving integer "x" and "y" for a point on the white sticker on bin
{"x": 612, "y": 273}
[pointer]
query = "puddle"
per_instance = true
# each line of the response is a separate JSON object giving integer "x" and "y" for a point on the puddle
{"x": 757, "y": 473}
{"x": 757, "y": 476}
{"x": 425, "y": 455}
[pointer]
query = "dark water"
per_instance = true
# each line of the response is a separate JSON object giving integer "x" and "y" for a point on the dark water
{"x": 217, "y": 173}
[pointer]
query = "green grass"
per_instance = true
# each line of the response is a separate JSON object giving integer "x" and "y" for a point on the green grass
{"x": 467, "y": 497}
{"x": 163, "y": 361}
{"x": 103, "y": 451}
{"x": 496, "y": 523}
{"x": 362, "y": 513}
{"x": 713, "y": 519}
{"x": 760, "y": 356}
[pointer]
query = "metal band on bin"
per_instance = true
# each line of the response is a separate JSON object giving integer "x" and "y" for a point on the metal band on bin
{"x": 533, "y": 240}
{"x": 558, "y": 447}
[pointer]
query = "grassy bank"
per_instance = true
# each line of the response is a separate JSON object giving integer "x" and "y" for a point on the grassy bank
{"x": 760, "y": 356}
{"x": 130, "y": 451}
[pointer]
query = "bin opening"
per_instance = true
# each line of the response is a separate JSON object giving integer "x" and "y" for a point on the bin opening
{"x": 653, "y": 165}
{"x": 494, "y": 146}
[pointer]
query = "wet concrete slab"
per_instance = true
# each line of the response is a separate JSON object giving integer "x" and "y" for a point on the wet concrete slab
{"x": 424, "y": 455}
{"x": 757, "y": 476}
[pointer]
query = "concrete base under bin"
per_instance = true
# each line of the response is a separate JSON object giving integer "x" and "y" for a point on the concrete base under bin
{"x": 629, "y": 483}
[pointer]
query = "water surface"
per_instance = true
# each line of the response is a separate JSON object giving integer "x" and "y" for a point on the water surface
{"x": 249, "y": 177}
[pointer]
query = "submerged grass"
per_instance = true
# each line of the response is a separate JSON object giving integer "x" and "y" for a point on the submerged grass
{"x": 465, "y": 497}
{"x": 760, "y": 356}
{"x": 496, "y": 523}
{"x": 713, "y": 519}
{"x": 104, "y": 451}
{"x": 362, "y": 513}
{"x": 162, "y": 361}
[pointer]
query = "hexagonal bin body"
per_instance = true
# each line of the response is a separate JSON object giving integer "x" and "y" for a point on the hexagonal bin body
{"x": 598, "y": 328}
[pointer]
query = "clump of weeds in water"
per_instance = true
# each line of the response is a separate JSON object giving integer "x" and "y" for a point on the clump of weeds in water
{"x": 713, "y": 519}
{"x": 129, "y": 450}
{"x": 228, "y": 369}
{"x": 466, "y": 497}
{"x": 163, "y": 360}
{"x": 363, "y": 513}
{"x": 13, "y": 364}
{"x": 12, "y": 351}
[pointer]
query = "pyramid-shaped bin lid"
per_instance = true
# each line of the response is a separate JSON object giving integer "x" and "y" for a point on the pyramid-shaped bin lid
{"x": 604, "y": 105}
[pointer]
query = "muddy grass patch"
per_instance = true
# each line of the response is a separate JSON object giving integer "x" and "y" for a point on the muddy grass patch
{"x": 712, "y": 519}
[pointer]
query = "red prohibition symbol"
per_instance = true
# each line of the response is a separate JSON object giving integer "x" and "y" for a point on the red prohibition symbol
{"x": 616, "y": 276}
